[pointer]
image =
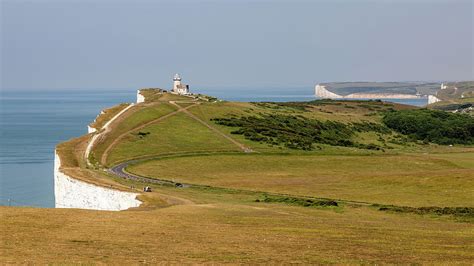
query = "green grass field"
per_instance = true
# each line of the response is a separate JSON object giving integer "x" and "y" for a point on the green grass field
{"x": 407, "y": 180}
{"x": 178, "y": 134}
{"x": 260, "y": 206}
{"x": 136, "y": 117}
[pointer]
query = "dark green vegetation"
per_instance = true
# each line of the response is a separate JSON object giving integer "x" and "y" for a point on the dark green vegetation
{"x": 462, "y": 212}
{"x": 454, "y": 106}
{"x": 432, "y": 126}
{"x": 372, "y": 105}
{"x": 459, "y": 212}
{"x": 302, "y": 133}
{"x": 299, "y": 132}
{"x": 334, "y": 204}
{"x": 299, "y": 201}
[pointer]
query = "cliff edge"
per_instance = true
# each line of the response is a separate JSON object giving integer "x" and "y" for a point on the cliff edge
{"x": 375, "y": 90}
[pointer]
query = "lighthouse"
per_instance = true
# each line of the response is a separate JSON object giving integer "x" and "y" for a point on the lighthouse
{"x": 178, "y": 87}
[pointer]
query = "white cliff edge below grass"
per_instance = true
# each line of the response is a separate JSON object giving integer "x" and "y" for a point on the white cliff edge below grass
{"x": 140, "y": 97}
{"x": 91, "y": 129}
{"x": 433, "y": 99}
{"x": 104, "y": 130}
{"x": 73, "y": 193}
{"x": 322, "y": 92}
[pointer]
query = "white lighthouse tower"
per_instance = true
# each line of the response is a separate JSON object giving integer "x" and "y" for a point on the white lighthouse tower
{"x": 178, "y": 87}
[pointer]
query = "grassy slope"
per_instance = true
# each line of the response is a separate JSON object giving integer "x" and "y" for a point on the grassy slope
{"x": 457, "y": 93}
{"x": 230, "y": 232}
{"x": 456, "y": 90}
{"x": 136, "y": 116}
{"x": 397, "y": 179}
{"x": 108, "y": 113}
{"x": 179, "y": 133}
{"x": 346, "y": 112}
{"x": 226, "y": 225}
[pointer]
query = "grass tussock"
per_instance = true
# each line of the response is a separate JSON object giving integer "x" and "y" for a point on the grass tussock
{"x": 304, "y": 202}
{"x": 463, "y": 212}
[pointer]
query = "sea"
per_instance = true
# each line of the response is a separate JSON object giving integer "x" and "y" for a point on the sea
{"x": 34, "y": 121}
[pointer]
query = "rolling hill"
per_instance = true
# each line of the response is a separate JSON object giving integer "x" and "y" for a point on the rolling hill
{"x": 300, "y": 182}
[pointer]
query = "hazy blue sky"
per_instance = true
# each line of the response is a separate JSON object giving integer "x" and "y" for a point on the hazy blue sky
{"x": 120, "y": 44}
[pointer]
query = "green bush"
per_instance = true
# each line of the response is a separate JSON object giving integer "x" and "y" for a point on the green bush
{"x": 432, "y": 125}
{"x": 298, "y": 132}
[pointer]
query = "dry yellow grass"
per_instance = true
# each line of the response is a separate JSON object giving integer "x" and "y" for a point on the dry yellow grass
{"x": 407, "y": 180}
{"x": 227, "y": 225}
{"x": 107, "y": 114}
{"x": 230, "y": 233}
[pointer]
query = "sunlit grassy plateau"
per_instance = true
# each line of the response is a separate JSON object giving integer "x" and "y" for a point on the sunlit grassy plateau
{"x": 358, "y": 191}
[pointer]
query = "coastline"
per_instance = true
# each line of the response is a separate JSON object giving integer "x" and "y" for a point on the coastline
{"x": 323, "y": 92}
{"x": 70, "y": 192}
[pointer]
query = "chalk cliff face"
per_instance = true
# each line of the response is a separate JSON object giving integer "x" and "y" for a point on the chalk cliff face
{"x": 380, "y": 96}
{"x": 105, "y": 129}
{"x": 73, "y": 193}
{"x": 433, "y": 99}
{"x": 91, "y": 129}
{"x": 140, "y": 97}
{"x": 322, "y": 92}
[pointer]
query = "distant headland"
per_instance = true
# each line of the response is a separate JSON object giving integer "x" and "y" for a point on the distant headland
{"x": 376, "y": 90}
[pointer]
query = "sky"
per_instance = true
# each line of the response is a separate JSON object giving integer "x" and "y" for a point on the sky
{"x": 132, "y": 44}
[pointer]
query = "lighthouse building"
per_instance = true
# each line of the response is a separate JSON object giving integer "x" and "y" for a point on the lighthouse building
{"x": 178, "y": 87}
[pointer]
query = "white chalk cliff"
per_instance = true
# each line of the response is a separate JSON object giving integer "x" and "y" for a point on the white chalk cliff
{"x": 140, "y": 97}
{"x": 104, "y": 130}
{"x": 433, "y": 99}
{"x": 91, "y": 129}
{"x": 322, "y": 92}
{"x": 73, "y": 193}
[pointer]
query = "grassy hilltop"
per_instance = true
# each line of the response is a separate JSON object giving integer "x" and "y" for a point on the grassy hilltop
{"x": 456, "y": 97}
{"x": 316, "y": 182}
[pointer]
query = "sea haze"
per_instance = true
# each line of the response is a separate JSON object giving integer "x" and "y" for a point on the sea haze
{"x": 33, "y": 122}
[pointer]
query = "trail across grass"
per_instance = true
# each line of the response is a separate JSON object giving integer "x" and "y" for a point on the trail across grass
{"x": 407, "y": 180}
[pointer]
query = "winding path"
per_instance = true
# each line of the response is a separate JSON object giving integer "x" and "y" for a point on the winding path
{"x": 119, "y": 170}
{"x": 241, "y": 146}
{"x": 103, "y": 131}
{"x": 103, "y": 159}
{"x": 238, "y": 144}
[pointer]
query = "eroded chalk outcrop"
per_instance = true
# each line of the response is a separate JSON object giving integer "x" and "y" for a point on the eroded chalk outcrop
{"x": 381, "y": 96}
{"x": 433, "y": 99}
{"x": 104, "y": 130}
{"x": 70, "y": 192}
{"x": 73, "y": 193}
{"x": 322, "y": 92}
{"x": 140, "y": 97}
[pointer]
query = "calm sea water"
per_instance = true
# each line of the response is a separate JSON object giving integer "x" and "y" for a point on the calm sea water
{"x": 32, "y": 122}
